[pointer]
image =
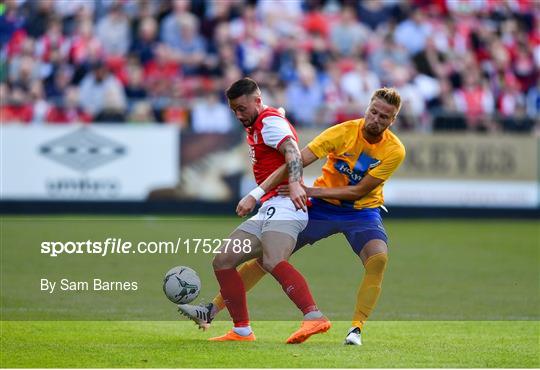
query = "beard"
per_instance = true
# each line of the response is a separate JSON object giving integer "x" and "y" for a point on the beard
{"x": 250, "y": 121}
{"x": 373, "y": 129}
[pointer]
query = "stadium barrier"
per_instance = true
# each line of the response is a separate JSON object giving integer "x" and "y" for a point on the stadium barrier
{"x": 155, "y": 169}
{"x": 457, "y": 170}
{"x": 87, "y": 163}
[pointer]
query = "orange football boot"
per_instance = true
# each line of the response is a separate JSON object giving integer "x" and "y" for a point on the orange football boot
{"x": 309, "y": 328}
{"x": 232, "y": 336}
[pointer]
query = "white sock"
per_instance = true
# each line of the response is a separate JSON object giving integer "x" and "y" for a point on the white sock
{"x": 313, "y": 315}
{"x": 243, "y": 330}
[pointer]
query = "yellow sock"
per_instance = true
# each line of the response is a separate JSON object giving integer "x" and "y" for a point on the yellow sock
{"x": 250, "y": 272}
{"x": 370, "y": 288}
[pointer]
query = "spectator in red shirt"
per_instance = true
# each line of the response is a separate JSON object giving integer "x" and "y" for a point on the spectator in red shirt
{"x": 53, "y": 42}
{"x": 68, "y": 110}
{"x": 475, "y": 100}
{"x": 161, "y": 73}
{"x": 84, "y": 43}
{"x": 17, "y": 108}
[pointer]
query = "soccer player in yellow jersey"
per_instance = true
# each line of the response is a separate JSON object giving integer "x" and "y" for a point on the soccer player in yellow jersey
{"x": 360, "y": 156}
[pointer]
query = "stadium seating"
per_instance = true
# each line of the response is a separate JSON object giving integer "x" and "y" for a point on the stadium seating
{"x": 457, "y": 67}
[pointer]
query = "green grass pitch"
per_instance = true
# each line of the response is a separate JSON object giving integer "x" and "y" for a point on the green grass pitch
{"x": 178, "y": 344}
{"x": 457, "y": 293}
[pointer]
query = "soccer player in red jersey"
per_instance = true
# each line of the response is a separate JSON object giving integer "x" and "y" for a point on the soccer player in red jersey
{"x": 274, "y": 229}
{"x": 361, "y": 156}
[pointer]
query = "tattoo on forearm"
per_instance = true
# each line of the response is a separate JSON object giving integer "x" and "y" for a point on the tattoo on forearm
{"x": 295, "y": 170}
{"x": 293, "y": 159}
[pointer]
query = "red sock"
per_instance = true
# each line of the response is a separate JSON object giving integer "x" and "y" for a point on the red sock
{"x": 295, "y": 286}
{"x": 234, "y": 295}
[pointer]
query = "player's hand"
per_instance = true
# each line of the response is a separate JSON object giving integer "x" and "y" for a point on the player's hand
{"x": 245, "y": 206}
{"x": 298, "y": 195}
{"x": 284, "y": 190}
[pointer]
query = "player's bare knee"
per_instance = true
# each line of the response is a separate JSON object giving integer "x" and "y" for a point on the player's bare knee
{"x": 216, "y": 263}
{"x": 269, "y": 263}
{"x": 373, "y": 247}
{"x": 223, "y": 261}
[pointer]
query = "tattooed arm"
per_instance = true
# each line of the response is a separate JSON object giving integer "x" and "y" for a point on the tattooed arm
{"x": 248, "y": 203}
{"x": 293, "y": 160}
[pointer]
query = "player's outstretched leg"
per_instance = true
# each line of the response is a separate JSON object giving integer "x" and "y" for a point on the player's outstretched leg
{"x": 277, "y": 247}
{"x": 232, "y": 288}
{"x": 234, "y": 293}
{"x": 250, "y": 272}
{"x": 296, "y": 288}
{"x": 375, "y": 258}
{"x": 202, "y": 314}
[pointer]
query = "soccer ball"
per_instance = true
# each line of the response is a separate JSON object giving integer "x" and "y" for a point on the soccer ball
{"x": 181, "y": 285}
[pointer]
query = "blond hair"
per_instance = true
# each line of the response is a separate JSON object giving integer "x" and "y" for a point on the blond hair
{"x": 388, "y": 94}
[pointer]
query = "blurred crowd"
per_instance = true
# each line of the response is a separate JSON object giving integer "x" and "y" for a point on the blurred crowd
{"x": 458, "y": 64}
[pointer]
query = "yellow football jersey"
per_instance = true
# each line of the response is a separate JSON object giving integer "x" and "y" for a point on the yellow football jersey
{"x": 350, "y": 157}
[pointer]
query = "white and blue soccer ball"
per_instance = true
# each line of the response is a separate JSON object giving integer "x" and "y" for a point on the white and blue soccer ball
{"x": 181, "y": 284}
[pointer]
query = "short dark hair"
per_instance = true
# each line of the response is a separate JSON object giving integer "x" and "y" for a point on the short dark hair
{"x": 244, "y": 86}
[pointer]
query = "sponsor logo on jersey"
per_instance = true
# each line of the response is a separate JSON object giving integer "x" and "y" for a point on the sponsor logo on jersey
{"x": 252, "y": 154}
{"x": 361, "y": 167}
{"x": 343, "y": 167}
